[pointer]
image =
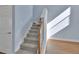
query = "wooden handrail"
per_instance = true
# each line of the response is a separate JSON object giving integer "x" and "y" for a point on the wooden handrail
{"x": 38, "y": 50}
{"x": 39, "y": 42}
{"x": 39, "y": 38}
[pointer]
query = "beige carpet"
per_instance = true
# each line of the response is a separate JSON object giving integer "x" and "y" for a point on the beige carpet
{"x": 30, "y": 44}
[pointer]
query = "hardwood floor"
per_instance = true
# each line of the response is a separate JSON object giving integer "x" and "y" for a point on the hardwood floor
{"x": 62, "y": 47}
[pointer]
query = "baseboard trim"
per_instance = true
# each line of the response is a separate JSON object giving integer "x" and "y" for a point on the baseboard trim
{"x": 18, "y": 47}
{"x": 62, "y": 39}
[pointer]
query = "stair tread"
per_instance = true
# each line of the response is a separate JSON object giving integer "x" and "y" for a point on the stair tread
{"x": 33, "y": 30}
{"x": 29, "y": 48}
{"x": 36, "y": 24}
{"x": 25, "y": 52}
{"x": 30, "y": 35}
{"x": 29, "y": 45}
{"x": 30, "y": 41}
{"x": 31, "y": 38}
{"x": 34, "y": 27}
{"x": 33, "y": 34}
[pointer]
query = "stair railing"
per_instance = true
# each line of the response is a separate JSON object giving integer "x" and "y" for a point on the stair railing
{"x": 39, "y": 42}
{"x": 39, "y": 38}
{"x": 42, "y": 32}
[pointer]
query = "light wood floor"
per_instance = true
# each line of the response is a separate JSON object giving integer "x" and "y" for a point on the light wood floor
{"x": 62, "y": 47}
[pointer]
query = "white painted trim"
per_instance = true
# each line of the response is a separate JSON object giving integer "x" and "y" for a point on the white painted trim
{"x": 64, "y": 39}
{"x": 18, "y": 46}
{"x": 58, "y": 28}
{"x": 59, "y": 18}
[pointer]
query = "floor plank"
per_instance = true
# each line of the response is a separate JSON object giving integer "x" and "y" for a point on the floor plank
{"x": 62, "y": 47}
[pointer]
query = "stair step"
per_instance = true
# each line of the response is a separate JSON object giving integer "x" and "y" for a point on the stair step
{"x": 31, "y": 41}
{"x": 31, "y": 38}
{"x": 29, "y": 47}
{"x": 36, "y": 24}
{"x": 25, "y": 52}
{"x": 33, "y": 31}
{"x": 36, "y": 28}
{"x": 33, "y": 35}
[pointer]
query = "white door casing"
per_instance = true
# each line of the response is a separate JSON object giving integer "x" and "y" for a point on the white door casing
{"x": 6, "y": 29}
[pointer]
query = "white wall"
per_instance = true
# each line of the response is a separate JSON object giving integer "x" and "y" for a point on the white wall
{"x": 23, "y": 20}
{"x": 72, "y": 31}
{"x": 53, "y": 10}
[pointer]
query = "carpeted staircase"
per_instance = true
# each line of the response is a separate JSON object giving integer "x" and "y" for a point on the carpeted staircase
{"x": 30, "y": 44}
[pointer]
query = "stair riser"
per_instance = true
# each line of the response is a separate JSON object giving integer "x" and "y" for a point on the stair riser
{"x": 29, "y": 45}
{"x": 25, "y": 52}
{"x": 32, "y": 35}
{"x": 37, "y": 24}
{"x": 31, "y": 41}
{"x": 34, "y": 28}
{"x": 29, "y": 49}
{"x": 33, "y": 31}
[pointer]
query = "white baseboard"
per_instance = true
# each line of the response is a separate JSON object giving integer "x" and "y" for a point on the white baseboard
{"x": 18, "y": 46}
{"x": 71, "y": 40}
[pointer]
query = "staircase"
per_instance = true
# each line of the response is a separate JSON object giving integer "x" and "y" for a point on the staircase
{"x": 30, "y": 44}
